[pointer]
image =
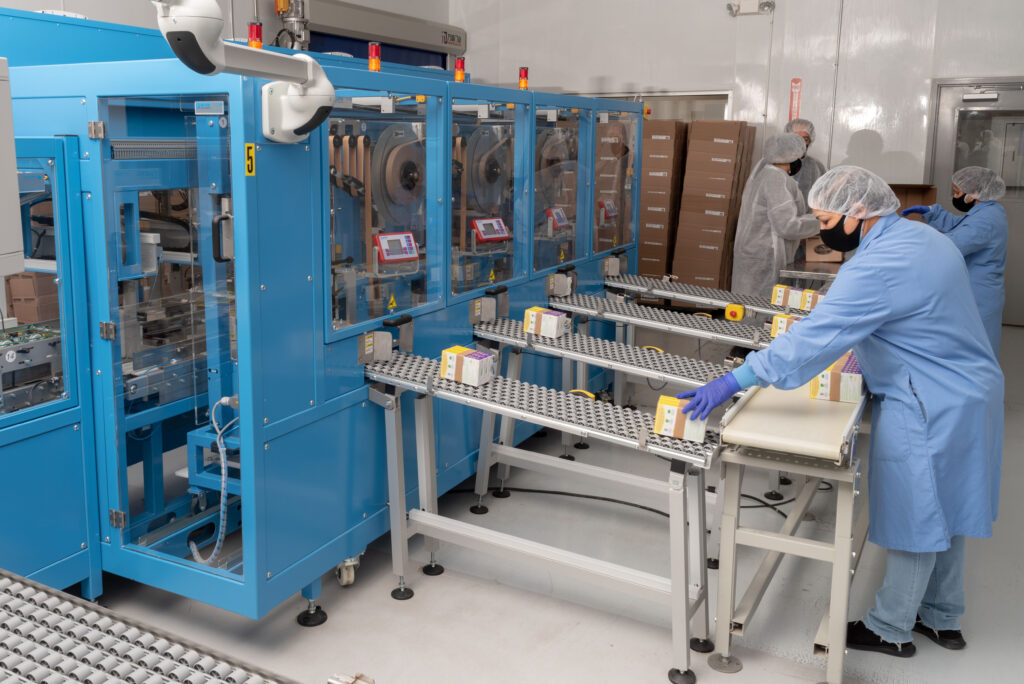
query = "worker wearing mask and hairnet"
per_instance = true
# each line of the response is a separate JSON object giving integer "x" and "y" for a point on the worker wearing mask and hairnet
{"x": 811, "y": 169}
{"x": 773, "y": 218}
{"x": 981, "y": 237}
{"x": 903, "y": 304}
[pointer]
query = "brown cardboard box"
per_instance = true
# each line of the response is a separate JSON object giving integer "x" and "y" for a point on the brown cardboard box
{"x": 697, "y": 247}
{"x": 671, "y": 160}
{"x": 660, "y": 180}
{"x": 652, "y": 265}
{"x": 654, "y": 244}
{"x": 709, "y": 162}
{"x": 708, "y": 217}
{"x": 703, "y": 273}
{"x": 34, "y": 310}
{"x": 706, "y": 202}
{"x": 29, "y": 285}
{"x": 816, "y": 251}
{"x": 910, "y": 195}
{"x": 664, "y": 131}
{"x": 720, "y": 132}
{"x": 697, "y": 182}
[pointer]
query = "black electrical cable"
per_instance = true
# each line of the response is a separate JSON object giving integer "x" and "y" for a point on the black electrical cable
{"x": 761, "y": 503}
{"x": 575, "y": 495}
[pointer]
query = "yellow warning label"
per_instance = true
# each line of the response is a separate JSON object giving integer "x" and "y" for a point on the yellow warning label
{"x": 250, "y": 159}
{"x": 615, "y": 240}
{"x": 491, "y": 277}
{"x": 392, "y": 304}
{"x": 561, "y": 255}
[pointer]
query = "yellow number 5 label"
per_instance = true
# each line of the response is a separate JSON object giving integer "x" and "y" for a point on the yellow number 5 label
{"x": 250, "y": 159}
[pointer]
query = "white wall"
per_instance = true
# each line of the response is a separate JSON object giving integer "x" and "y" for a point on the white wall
{"x": 889, "y": 53}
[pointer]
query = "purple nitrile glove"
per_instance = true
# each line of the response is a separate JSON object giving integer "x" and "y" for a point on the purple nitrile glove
{"x": 916, "y": 209}
{"x": 705, "y": 399}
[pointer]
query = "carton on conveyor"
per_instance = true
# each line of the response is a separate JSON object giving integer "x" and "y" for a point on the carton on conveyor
{"x": 468, "y": 366}
{"x": 545, "y": 322}
{"x": 842, "y": 381}
{"x": 670, "y": 421}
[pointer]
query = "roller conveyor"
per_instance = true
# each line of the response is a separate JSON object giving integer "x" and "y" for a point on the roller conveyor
{"x": 48, "y": 636}
{"x": 702, "y": 327}
{"x": 543, "y": 406}
{"x": 629, "y": 359}
{"x": 694, "y": 294}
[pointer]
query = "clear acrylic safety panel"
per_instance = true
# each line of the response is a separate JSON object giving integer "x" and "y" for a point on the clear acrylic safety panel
{"x": 32, "y": 365}
{"x": 483, "y": 193}
{"x": 378, "y": 219}
{"x": 614, "y": 155}
{"x": 557, "y": 179}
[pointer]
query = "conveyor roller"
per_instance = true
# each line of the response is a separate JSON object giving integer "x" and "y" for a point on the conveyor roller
{"x": 694, "y": 294}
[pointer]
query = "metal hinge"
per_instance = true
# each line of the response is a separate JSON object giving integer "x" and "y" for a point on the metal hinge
{"x": 97, "y": 130}
{"x": 108, "y": 330}
{"x": 117, "y": 519}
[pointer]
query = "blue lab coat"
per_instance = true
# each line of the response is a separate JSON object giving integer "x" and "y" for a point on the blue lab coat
{"x": 903, "y": 304}
{"x": 980, "y": 234}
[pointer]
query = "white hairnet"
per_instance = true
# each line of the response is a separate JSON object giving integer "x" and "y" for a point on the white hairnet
{"x": 853, "y": 191}
{"x": 984, "y": 184}
{"x": 797, "y": 125}
{"x": 784, "y": 148}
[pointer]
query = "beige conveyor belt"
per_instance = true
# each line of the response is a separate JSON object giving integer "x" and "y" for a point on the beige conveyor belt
{"x": 789, "y": 421}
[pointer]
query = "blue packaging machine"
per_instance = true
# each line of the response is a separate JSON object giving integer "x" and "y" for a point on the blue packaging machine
{"x": 205, "y": 427}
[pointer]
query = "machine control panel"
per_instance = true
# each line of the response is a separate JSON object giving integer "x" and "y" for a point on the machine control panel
{"x": 394, "y": 248}
{"x": 491, "y": 230}
{"x": 608, "y": 207}
{"x": 557, "y": 218}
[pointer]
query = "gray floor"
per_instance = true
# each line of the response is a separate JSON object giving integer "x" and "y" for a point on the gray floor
{"x": 495, "y": 621}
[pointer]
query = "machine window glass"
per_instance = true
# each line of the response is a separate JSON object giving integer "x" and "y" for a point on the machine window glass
{"x": 993, "y": 139}
{"x": 31, "y": 360}
{"x": 556, "y": 187}
{"x": 167, "y": 176}
{"x": 378, "y": 237}
{"x": 483, "y": 187}
{"x": 613, "y": 180}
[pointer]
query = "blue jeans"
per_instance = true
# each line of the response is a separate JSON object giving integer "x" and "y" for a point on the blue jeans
{"x": 927, "y": 584}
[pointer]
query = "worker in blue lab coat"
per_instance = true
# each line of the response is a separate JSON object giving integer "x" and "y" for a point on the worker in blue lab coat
{"x": 811, "y": 169}
{"x": 981, "y": 237}
{"x": 903, "y": 304}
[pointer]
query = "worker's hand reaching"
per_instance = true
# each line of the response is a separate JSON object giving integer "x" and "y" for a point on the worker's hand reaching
{"x": 706, "y": 398}
{"x": 916, "y": 209}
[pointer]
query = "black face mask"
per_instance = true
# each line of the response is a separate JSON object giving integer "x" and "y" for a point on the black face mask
{"x": 961, "y": 203}
{"x": 794, "y": 166}
{"x": 837, "y": 239}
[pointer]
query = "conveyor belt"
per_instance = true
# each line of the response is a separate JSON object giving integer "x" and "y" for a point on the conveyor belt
{"x": 637, "y": 361}
{"x": 654, "y": 318}
{"x": 543, "y": 406}
{"x": 48, "y": 636}
{"x": 694, "y": 294}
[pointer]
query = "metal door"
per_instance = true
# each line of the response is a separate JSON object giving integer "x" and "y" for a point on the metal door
{"x": 980, "y": 122}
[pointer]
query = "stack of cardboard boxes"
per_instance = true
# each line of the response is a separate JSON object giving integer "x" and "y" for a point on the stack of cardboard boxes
{"x": 32, "y": 297}
{"x": 908, "y": 194}
{"x": 663, "y": 153}
{"x": 717, "y": 165}
{"x": 612, "y": 173}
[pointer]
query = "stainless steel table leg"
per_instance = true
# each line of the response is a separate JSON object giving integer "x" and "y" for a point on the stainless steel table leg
{"x": 680, "y": 576}
{"x": 582, "y": 373}
{"x": 566, "y": 387}
{"x": 483, "y": 463}
{"x": 619, "y": 390}
{"x": 506, "y": 433}
{"x": 840, "y": 596}
{"x": 426, "y": 471}
{"x": 396, "y": 497}
{"x": 724, "y": 661}
{"x": 702, "y": 645}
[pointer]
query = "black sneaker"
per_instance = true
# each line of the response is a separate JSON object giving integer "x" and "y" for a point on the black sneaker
{"x": 952, "y": 639}
{"x": 860, "y": 638}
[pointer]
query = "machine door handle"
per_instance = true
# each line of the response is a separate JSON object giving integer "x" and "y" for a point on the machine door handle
{"x": 494, "y": 291}
{"x": 397, "y": 321}
{"x": 619, "y": 251}
{"x": 217, "y": 235}
{"x": 566, "y": 268}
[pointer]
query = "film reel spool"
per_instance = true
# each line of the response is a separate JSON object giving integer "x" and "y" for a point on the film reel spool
{"x": 555, "y": 156}
{"x": 399, "y": 173}
{"x": 488, "y": 163}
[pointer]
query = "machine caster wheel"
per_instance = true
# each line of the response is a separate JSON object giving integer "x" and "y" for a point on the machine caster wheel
{"x": 567, "y": 457}
{"x": 712, "y": 563}
{"x": 701, "y": 645}
{"x": 501, "y": 494}
{"x": 773, "y": 496}
{"x": 677, "y": 676}
{"x": 346, "y": 575}
{"x": 433, "y": 569}
{"x": 581, "y": 445}
{"x": 401, "y": 594}
{"x": 312, "y": 617}
{"x": 478, "y": 509}
{"x": 724, "y": 664}
{"x": 783, "y": 480}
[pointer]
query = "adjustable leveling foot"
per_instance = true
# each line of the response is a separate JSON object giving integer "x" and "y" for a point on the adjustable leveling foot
{"x": 677, "y": 676}
{"x": 313, "y": 616}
